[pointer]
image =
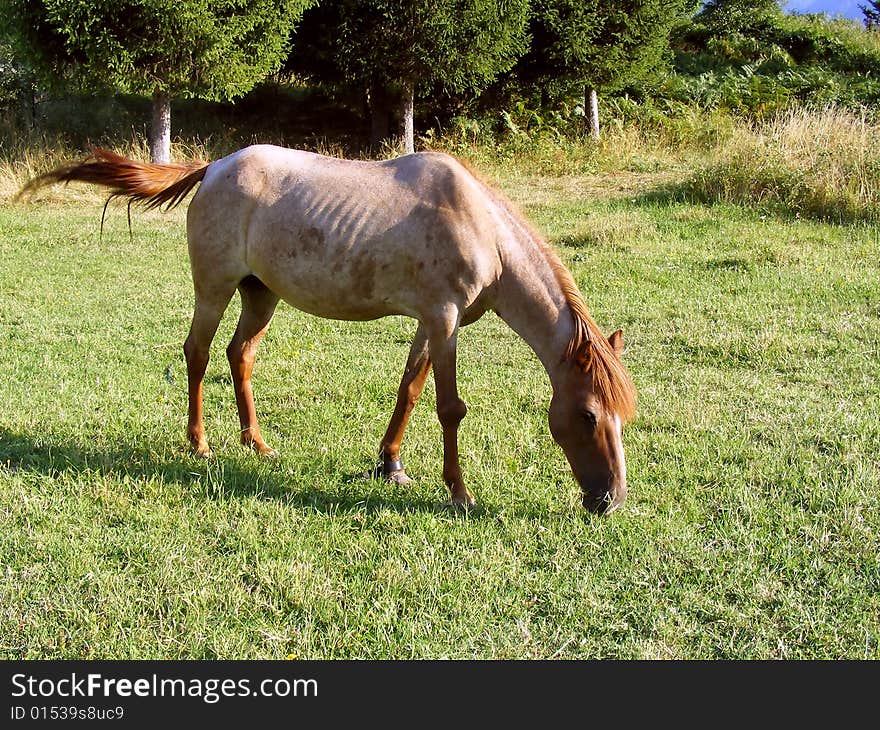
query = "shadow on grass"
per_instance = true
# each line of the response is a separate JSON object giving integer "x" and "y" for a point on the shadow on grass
{"x": 668, "y": 195}
{"x": 216, "y": 478}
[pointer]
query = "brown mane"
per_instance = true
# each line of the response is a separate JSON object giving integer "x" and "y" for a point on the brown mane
{"x": 588, "y": 346}
{"x": 590, "y": 349}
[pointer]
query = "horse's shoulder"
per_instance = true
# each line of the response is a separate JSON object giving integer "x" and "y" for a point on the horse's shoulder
{"x": 449, "y": 164}
{"x": 435, "y": 173}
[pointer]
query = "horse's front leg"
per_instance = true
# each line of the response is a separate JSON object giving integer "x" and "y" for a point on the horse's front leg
{"x": 418, "y": 365}
{"x": 257, "y": 307}
{"x": 450, "y": 408}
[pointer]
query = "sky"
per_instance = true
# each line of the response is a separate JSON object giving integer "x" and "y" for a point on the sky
{"x": 847, "y": 8}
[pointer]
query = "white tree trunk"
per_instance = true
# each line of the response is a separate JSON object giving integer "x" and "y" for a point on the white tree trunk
{"x": 593, "y": 111}
{"x": 406, "y": 113}
{"x": 160, "y": 129}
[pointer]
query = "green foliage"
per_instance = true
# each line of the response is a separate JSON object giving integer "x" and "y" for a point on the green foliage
{"x": 763, "y": 62}
{"x": 16, "y": 79}
{"x": 213, "y": 50}
{"x": 314, "y": 55}
{"x": 455, "y": 44}
{"x": 871, "y": 12}
{"x": 603, "y": 43}
{"x": 274, "y": 113}
{"x": 732, "y": 16}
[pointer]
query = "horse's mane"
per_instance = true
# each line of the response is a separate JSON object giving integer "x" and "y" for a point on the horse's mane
{"x": 588, "y": 347}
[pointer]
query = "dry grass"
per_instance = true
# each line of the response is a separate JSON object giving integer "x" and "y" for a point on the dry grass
{"x": 823, "y": 164}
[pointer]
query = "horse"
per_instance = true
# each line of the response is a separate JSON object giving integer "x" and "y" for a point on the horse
{"x": 420, "y": 236}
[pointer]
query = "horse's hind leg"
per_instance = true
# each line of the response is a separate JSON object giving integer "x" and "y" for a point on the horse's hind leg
{"x": 418, "y": 365}
{"x": 257, "y": 307}
{"x": 210, "y": 305}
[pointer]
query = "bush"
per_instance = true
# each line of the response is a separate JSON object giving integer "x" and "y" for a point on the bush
{"x": 778, "y": 61}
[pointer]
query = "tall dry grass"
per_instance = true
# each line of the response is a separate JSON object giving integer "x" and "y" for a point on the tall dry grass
{"x": 815, "y": 163}
{"x": 34, "y": 155}
{"x": 822, "y": 164}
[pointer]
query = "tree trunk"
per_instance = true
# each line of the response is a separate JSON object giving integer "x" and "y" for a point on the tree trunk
{"x": 379, "y": 112}
{"x": 160, "y": 129}
{"x": 406, "y": 113}
{"x": 33, "y": 106}
{"x": 592, "y": 108}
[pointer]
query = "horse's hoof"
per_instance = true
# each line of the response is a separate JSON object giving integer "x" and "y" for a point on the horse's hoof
{"x": 465, "y": 501}
{"x": 258, "y": 446}
{"x": 198, "y": 446}
{"x": 395, "y": 477}
{"x": 399, "y": 477}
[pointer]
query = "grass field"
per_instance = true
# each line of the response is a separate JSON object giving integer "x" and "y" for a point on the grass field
{"x": 753, "y": 524}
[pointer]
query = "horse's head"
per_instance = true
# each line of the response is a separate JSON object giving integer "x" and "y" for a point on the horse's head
{"x": 586, "y": 415}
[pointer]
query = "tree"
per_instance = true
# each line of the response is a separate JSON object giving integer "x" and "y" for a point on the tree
{"x": 164, "y": 48}
{"x": 734, "y": 16}
{"x": 601, "y": 44}
{"x": 17, "y": 93}
{"x": 871, "y": 11}
{"x": 396, "y": 49}
{"x": 315, "y": 58}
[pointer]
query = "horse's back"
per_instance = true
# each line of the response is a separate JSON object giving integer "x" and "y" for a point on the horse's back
{"x": 348, "y": 239}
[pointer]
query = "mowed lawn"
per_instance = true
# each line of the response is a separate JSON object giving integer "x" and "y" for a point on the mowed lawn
{"x": 752, "y": 529}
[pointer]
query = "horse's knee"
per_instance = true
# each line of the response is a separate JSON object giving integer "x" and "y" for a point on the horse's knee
{"x": 241, "y": 354}
{"x": 452, "y": 413}
{"x": 194, "y": 354}
{"x": 412, "y": 397}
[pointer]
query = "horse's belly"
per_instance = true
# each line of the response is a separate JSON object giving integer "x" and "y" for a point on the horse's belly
{"x": 366, "y": 268}
{"x": 351, "y": 291}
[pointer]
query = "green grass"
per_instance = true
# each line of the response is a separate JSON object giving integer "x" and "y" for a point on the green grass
{"x": 752, "y": 529}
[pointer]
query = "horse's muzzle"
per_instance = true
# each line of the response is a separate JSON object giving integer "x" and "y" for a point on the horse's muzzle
{"x": 604, "y": 502}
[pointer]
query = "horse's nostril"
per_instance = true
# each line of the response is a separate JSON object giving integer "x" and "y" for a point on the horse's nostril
{"x": 596, "y": 502}
{"x": 603, "y": 503}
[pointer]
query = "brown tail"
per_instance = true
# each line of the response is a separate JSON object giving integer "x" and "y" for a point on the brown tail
{"x": 148, "y": 183}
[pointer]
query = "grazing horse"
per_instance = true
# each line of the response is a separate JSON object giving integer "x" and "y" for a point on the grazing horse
{"x": 418, "y": 236}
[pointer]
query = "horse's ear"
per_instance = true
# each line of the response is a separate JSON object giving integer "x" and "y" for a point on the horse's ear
{"x": 616, "y": 342}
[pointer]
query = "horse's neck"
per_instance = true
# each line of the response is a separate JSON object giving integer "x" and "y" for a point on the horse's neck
{"x": 530, "y": 299}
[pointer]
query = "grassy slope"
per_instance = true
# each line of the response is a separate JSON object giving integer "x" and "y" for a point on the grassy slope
{"x": 752, "y": 527}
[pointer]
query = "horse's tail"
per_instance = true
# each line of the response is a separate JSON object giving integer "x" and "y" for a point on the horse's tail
{"x": 142, "y": 182}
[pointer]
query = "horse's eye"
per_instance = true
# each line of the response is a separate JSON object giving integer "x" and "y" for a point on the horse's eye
{"x": 589, "y": 417}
